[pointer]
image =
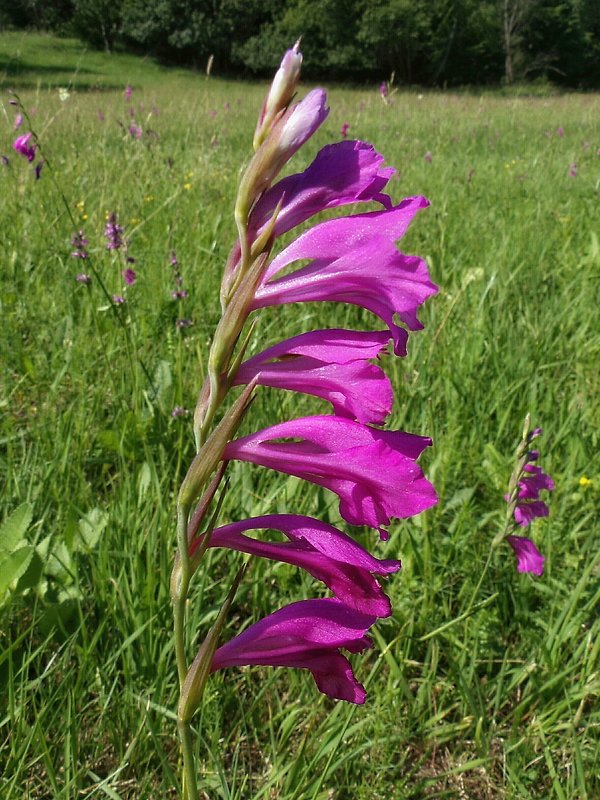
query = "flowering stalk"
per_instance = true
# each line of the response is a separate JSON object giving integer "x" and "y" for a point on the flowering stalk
{"x": 523, "y": 503}
{"x": 374, "y": 472}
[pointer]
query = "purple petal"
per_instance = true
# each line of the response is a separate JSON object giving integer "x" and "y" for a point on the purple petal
{"x": 342, "y": 173}
{"x": 323, "y": 551}
{"x": 529, "y": 558}
{"x": 373, "y": 472}
{"x": 331, "y": 364}
{"x": 356, "y": 261}
{"x": 305, "y": 635}
{"x": 22, "y": 146}
{"x": 531, "y": 485}
{"x": 526, "y": 512}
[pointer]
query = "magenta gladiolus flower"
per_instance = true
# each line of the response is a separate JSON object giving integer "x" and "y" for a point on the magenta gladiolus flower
{"x": 306, "y": 635}
{"x": 355, "y": 260}
{"x": 18, "y": 121}
{"x": 22, "y": 146}
{"x": 344, "y": 130}
{"x": 529, "y": 558}
{"x": 383, "y": 89}
{"x": 341, "y": 174}
{"x": 532, "y": 482}
{"x": 373, "y": 472}
{"x": 332, "y": 364}
{"x": 323, "y": 551}
{"x": 526, "y": 483}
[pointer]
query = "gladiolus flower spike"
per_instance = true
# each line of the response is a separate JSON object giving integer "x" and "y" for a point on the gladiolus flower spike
{"x": 374, "y": 472}
{"x": 524, "y": 505}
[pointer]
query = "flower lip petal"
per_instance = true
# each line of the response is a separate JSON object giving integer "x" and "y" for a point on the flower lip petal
{"x": 373, "y": 472}
{"x": 342, "y": 173}
{"x": 332, "y": 364}
{"x": 529, "y": 558}
{"x": 305, "y": 635}
{"x": 325, "y": 552}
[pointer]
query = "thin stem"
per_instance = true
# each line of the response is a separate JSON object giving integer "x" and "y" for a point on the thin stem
{"x": 190, "y": 785}
{"x": 180, "y": 582}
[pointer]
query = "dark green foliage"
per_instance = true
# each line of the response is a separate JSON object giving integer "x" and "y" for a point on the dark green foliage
{"x": 441, "y": 42}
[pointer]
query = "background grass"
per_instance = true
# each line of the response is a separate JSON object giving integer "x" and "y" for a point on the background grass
{"x": 500, "y": 703}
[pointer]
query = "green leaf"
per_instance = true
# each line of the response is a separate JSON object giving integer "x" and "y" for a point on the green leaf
{"x": 14, "y": 528}
{"x": 144, "y": 478}
{"x": 91, "y": 527}
{"x": 15, "y": 565}
{"x": 162, "y": 382}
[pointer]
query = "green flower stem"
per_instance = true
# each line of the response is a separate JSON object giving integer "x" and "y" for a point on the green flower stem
{"x": 180, "y": 583}
{"x": 189, "y": 783}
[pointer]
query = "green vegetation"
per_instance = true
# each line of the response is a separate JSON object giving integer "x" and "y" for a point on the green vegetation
{"x": 501, "y": 703}
{"x": 437, "y": 43}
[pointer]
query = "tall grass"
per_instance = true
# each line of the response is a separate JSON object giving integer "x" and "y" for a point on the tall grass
{"x": 497, "y": 702}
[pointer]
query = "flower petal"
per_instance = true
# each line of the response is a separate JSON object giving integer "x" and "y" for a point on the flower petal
{"x": 322, "y": 550}
{"x": 342, "y": 173}
{"x": 355, "y": 260}
{"x": 332, "y": 364}
{"x": 529, "y": 558}
{"x": 306, "y": 635}
{"x": 373, "y": 472}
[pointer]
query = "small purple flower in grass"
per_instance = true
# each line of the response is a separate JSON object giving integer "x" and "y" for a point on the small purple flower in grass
{"x": 323, "y": 551}
{"x": 572, "y": 170}
{"x": 113, "y": 233}
{"x": 4, "y": 160}
{"x": 344, "y": 130}
{"x": 373, "y": 472}
{"x": 128, "y": 92}
{"x": 332, "y": 364}
{"x": 135, "y": 131}
{"x": 306, "y": 635}
{"x": 22, "y": 146}
{"x": 179, "y": 411}
{"x": 18, "y": 121}
{"x": 129, "y": 276}
{"x": 428, "y": 157}
{"x": 83, "y": 278}
{"x": 37, "y": 170}
{"x": 184, "y": 323}
{"x": 79, "y": 242}
{"x": 118, "y": 299}
{"x": 560, "y": 131}
{"x": 383, "y": 90}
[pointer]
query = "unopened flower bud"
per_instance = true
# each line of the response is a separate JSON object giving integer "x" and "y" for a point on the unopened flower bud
{"x": 281, "y": 92}
{"x": 288, "y": 134}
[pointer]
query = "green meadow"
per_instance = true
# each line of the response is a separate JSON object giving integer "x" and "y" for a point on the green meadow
{"x": 474, "y": 691}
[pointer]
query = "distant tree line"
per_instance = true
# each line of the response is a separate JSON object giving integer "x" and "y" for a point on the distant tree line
{"x": 438, "y": 42}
